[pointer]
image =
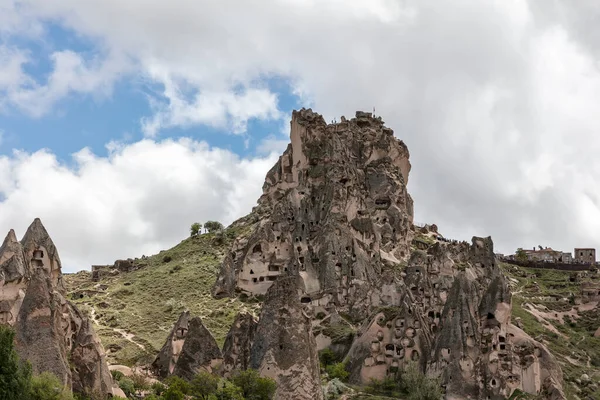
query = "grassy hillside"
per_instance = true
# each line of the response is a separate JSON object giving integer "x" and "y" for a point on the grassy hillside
{"x": 548, "y": 304}
{"x": 135, "y": 311}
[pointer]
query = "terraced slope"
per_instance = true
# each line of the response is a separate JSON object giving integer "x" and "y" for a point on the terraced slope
{"x": 135, "y": 311}
{"x": 560, "y": 309}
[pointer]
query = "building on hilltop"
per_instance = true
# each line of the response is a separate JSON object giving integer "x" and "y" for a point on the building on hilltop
{"x": 543, "y": 254}
{"x": 585, "y": 255}
{"x": 566, "y": 258}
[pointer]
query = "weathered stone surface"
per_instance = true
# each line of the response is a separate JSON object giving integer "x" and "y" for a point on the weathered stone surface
{"x": 335, "y": 202}
{"x": 284, "y": 347}
{"x": 164, "y": 364}
{"x": 39, "y": 329}
{"x": 50, "y": 332}
{"x": 90, "y": 372}
{"x": 238, "y": 343}
{"x": 334, "y": 237}
{"x": 189, "y": 348}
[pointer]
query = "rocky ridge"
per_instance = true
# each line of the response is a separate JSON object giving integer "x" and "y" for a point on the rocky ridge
{"x": 335, "y": 250}
{"x": 50, "y": 332}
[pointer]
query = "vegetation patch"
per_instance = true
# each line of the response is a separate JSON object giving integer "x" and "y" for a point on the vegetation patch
{"x": 145, "y": 303}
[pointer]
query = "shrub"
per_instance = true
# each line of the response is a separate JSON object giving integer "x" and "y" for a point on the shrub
{"x": 117, "y": 375}
{"x": 167, "y": 259}
{"x": 195, "y": 228}
{"x": 338, "y": 371}
{"x": 386, "y": 387}
{"x": 158, "y": 388}
{"x": 253, "y": 386}
{"x": 178, "y": 384}
{"x": 229, "y": 392}
{"x": 204, "y": 385}
{"x": 327, "y": 357}
{"x": 417, "y": 386}
{"x": 140, "y": 382}
{"x": 47, "y": 386}
{"x": 127, "y": 386}
{"x": 213, "y": 226}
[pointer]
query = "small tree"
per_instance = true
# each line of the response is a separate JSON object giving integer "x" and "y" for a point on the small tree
{"x": 15, "y": 376}
{"x": 195, "y": 229}
{"x": 254, "y": 386}
{"x": 229, "y": 392}
{"x": 520, "y": 255}
{"x": 204, "y": 385}
{"x": 213, "y": 226}
{"x": 417, "y": 386}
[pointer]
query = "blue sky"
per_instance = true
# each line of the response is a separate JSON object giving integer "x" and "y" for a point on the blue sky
{"x": 496, "y": 100}
{"x": 84, "y": 120}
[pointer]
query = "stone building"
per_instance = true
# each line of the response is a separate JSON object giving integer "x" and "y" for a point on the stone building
{"x": 586, "y": 255}
{"x": 543, "y": 254}
{"x": 566, "y": 258}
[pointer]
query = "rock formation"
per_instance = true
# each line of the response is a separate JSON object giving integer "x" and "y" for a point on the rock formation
{"x": 284, "y": 347}
{"x": 334, "y": 245}
{"x": 50, "y": 332}
{"x": 189, "y": 348}
{"x": 238, "y": 343}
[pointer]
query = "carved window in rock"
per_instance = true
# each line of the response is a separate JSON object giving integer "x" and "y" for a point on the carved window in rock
{"x": 181, "y": 332}
{"x": 38, "y": 254}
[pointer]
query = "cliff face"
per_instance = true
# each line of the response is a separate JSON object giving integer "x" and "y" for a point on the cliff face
{"x": 334, "y": 211}
{"x": 50, "y": 332}
{"x": 337, "y": 255}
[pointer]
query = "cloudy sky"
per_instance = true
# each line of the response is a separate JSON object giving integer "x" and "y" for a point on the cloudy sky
{"x": 121, "y": 122}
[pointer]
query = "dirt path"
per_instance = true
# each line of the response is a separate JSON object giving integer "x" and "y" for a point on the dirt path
{"x": 127, "y": 336}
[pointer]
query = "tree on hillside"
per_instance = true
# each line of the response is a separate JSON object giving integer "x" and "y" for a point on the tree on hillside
{"x": 213, "y": 226}
{"x": 15, "y": 376}
{"x": 254, "y": 386}
{"x": 418, "y": 386}
{"x": 204, "y": 385}
{"x": 520, "y": 255}
{"x": 195, "y": 228}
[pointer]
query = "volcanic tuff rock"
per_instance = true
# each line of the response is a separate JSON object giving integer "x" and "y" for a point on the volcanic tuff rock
{"x": 238, "y": 343}
{"x": 50, "y": 332}
{"x": 335, "y": 229}
{"x": 189, "y": 348}
{"x": 284, "y": 347}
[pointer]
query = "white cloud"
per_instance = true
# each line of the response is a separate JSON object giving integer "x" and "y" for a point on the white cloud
{"x": 140, "y": 199}
{"x": 220, "y": 110}
{"x": 497, "y": 100}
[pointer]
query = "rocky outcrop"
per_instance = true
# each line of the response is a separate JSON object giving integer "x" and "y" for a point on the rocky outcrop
{"x": 189, "y": 348}
{"x": 334, "y": 210}
{"x": 50, "y": 332}
{"x": 334, "y": 243}
{"x": 238, "y": 343}
{"x": 284, "y": 347}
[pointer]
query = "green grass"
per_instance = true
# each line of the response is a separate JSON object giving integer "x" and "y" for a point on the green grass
{"x": 148, "y": 301}
{"x": 576, "y": 340}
